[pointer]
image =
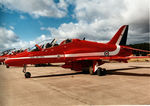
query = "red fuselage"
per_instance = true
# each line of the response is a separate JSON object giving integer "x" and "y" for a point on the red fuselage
{"x": 66, "y": 52}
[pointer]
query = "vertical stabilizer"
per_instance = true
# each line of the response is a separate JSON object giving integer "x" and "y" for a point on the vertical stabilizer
{"x": 120, "y": 37}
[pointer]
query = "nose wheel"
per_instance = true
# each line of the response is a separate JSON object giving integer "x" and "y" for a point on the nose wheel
{"x": 27, "y": 74}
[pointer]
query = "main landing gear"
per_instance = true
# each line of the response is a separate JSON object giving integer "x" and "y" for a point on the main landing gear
{"x": 101, "y": 71}
{"x": 27, "y": 74}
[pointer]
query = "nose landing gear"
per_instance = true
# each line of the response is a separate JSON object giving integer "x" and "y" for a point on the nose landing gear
{"x": 27, "y": 74}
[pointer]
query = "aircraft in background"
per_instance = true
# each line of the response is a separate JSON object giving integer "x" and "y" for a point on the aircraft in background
{"x": 5, "y": 54}
{"x": 11, "y": 52}
{"x": 78, "y": 54}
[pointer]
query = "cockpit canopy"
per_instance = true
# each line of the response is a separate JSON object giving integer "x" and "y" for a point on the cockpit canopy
{"x": 43, "y": 45}
{"x": 68, "y": 41}
{"x": 49, "y": 44}
{"x": 34, "y": 48}
{"x": 9, "y": 51}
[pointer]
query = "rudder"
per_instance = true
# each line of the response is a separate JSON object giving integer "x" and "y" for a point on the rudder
{"x": 120, "y": 37}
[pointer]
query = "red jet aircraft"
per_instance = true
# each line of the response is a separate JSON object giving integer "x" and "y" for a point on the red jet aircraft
{"x": 78, "y": 54}
{"x": 5, "y": 54}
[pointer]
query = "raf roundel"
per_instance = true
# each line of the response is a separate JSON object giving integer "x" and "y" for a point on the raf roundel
{"x": 106, "y": 53}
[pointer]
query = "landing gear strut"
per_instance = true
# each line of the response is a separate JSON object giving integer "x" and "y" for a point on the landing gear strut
{"x": 91, "y": 70}
{"x": 101, "y": 71}
{"x": 27, "y": 74}
{"x": 7, "y": 66}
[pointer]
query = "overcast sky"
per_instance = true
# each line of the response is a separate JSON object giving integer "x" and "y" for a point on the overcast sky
{"x": 23, "y": 23}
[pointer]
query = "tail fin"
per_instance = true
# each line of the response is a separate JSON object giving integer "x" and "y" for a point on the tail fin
{"x": 120, "y": 37}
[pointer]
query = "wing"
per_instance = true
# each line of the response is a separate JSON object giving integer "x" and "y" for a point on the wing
{"x": 115, "y": 58}
{"x": 82, "y": 63}
{"x": 125, "y": 47}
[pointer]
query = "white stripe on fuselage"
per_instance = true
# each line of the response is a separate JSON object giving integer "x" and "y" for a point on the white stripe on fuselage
{"x": 111, "y": 53}
{"x": 38, "y": 57}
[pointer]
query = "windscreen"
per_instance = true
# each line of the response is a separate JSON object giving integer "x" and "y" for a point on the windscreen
{"x": 34, "y": 48}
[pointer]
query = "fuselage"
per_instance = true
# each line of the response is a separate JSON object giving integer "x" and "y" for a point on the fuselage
{"x": 67, "y": 51}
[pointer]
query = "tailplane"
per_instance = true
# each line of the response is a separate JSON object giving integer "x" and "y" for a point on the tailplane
{"x": 120, "y": 37}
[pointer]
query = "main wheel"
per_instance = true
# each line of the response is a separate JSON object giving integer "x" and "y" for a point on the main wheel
{"x": 27, "y": 75}
{"x": 104, "y": 71}
{"x": 99, "y": 72}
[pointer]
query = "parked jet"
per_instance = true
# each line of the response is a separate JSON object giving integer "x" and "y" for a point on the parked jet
{"x": 11, "y": 52}
{"x": 78, "y": 54}
{"x": 5, "y": 54}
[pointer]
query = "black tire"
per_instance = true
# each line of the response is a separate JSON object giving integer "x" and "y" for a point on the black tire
{"x": 99, "y": 72}
{"x": 27, "y": 75}
{"x": 104, "y": 71}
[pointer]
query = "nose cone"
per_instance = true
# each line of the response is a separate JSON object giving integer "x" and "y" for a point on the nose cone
{"x": 15, "y": 60}
{"x": 7, "y": 61}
